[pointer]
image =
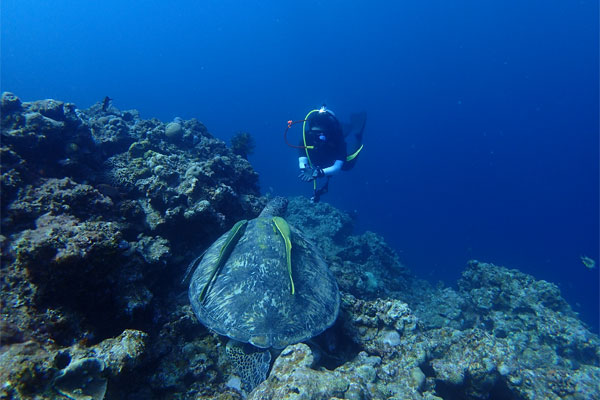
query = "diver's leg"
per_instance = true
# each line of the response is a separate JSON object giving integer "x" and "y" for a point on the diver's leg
{"x": 320, "y": 192}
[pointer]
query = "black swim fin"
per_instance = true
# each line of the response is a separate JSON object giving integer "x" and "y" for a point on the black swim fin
{"x": 357, "y": 125}
{"x": 354, "y": 138}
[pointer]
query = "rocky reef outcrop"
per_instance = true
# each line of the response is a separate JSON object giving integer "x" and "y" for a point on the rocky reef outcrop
{"x": 101, "y": 212}
{"x": 400, "y": 357}
{"x": 364, "y": 265}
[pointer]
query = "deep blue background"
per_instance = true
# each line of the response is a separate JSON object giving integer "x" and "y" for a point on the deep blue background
{"x": 482, "y": 139}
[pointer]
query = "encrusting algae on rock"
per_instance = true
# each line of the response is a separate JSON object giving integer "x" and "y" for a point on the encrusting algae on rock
{"x": 101, "y": 213}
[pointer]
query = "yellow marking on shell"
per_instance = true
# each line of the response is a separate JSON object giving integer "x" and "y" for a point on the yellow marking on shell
{"x": 284, "y": 229}
{"x": 234, "y": 235}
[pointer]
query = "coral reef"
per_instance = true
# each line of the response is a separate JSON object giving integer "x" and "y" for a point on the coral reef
{"x": 101, "y": 213}
{"x": 242, "y": 144}
{"x": 43, "y": 370}
{"x": 99, "y": 210}
{"x": 364, "y": 265}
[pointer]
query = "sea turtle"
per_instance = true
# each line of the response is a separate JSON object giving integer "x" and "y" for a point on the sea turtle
{"x": 264, "y": 283}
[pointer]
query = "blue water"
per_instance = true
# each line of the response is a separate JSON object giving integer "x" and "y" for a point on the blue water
{"x": 482, "y": 138}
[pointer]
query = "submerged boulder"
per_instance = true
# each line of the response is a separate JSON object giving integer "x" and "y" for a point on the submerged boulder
{"x": 173, "y": 131}
{"x": 82, "y": 380}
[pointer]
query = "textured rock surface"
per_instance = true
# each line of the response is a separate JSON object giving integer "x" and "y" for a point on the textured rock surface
{"x": 364, "y": 265}
{"x": 81, "y": 215}
{"x": 101, "y": 211}
{"x": 293, "y": 378}
{"x": 32, "y": 369}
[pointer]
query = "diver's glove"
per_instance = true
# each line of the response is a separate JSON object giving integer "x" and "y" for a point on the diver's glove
{"x": 308, "y": 174}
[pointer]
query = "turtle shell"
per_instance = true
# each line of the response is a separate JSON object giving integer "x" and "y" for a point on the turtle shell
{"x": 250, "y": 299}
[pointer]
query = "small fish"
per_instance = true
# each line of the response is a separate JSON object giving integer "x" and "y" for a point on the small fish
{"x": 588, "y": 262}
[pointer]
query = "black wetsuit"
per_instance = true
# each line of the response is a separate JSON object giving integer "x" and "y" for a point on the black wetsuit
{"x": 326, "y": 152}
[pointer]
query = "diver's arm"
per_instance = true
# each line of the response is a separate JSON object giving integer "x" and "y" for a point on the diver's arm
{"x": 334, "y": 169}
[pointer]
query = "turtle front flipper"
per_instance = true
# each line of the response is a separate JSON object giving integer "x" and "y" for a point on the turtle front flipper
{"x": 234, "y": 236}
{"x": 284, "y": 229}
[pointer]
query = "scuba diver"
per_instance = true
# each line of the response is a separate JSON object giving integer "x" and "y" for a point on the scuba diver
{"x": 323, "y": 147}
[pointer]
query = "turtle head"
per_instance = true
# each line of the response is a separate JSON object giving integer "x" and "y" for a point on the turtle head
{"x": 276, "y": 207}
